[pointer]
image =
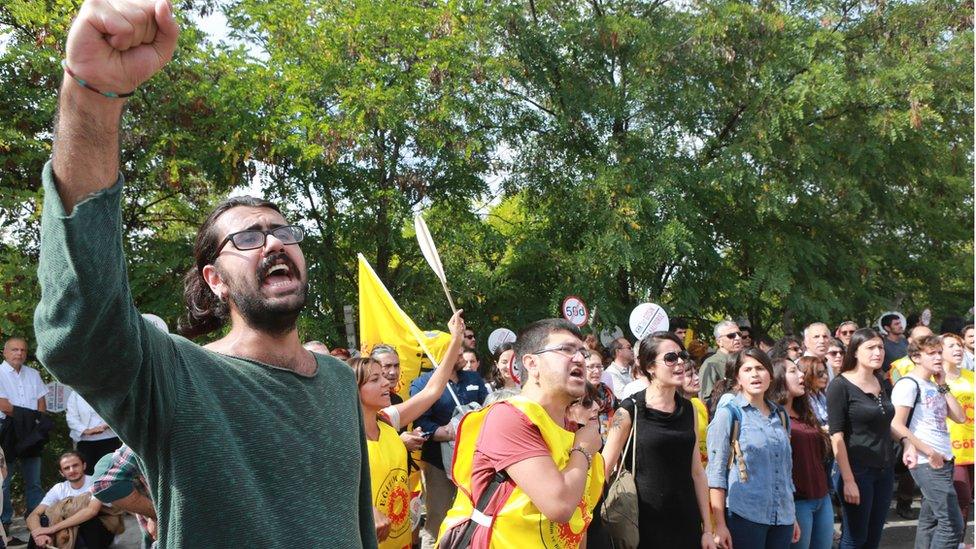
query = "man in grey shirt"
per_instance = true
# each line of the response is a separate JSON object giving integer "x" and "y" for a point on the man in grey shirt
{"x": 728, "y": 339}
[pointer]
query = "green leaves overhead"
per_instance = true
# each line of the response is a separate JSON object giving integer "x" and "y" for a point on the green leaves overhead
{"x": 782, "y": 161}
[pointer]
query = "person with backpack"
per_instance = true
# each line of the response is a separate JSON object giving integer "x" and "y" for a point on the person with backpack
{"x": 859, "y": 417}
{"x": 922, "y": 402}
{"x": 672, "y": 492}
{"x": 810, "y": 445}
{"x": 750, "y": 464}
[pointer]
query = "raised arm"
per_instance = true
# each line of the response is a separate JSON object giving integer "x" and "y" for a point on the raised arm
{"x": 419, "y": 403}
{"x": 113, "y": 46}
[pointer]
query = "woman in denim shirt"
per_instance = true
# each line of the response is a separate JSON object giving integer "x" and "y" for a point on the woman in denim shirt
{"x": 752, "y": 499}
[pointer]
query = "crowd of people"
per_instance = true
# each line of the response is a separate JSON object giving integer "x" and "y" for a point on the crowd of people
{"x": 256, "y": 440}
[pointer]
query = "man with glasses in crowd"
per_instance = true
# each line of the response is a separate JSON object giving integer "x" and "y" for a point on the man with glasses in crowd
{"x": 746, "y": 332}
{"x": 469, "y": 342}
{"x": 620, "y": 371}
{"x": 728, "y": 339}
{"x": 289, "y": 420}
{"x": 548, "y": 479}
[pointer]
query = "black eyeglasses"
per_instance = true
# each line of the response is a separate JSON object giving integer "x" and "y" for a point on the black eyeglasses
{"x": 733, "y": 335}
{"x": 847, "y": 332}
{"x": 566, "y": 351}
{"x": 252, "y": 239}
{"x": 672, "y": 357}
{"x": 835, "y": 353}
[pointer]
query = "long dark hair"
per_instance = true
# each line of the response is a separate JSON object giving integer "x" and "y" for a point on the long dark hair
{"x": 205, "y": 312}
{"x": 780, "y": 394}
{"x": 734, "y": 364}
{"x": 859, "y": 338}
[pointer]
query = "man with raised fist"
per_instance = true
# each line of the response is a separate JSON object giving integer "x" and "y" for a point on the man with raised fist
{"x": 245, "y": 442}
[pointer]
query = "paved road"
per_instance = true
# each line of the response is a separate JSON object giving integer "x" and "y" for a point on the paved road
{"x": 898, "y": 533}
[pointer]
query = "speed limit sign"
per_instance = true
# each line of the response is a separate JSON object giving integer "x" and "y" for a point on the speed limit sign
{"x": 575, "y": 311}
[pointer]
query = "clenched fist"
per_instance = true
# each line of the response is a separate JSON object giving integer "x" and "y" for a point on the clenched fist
{"x": 116, "y": 45}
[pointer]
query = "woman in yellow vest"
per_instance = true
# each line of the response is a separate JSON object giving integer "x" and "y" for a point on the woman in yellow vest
{"x": 387, "y": 453}
{"x": 961, "y": 385}
{"x": 690, "y": 388}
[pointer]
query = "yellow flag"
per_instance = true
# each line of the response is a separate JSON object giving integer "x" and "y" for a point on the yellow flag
{"x": 381, "y": 320}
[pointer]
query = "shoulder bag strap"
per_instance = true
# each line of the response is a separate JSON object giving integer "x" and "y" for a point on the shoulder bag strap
{"x": 477, "y": 514}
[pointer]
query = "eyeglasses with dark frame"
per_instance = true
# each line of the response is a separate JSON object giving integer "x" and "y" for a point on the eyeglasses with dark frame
{"x": 835, "y": 353}
{"x": 567, "y": 351}
{"x": 733, "y": 335}
{"x": 252, "y": 239}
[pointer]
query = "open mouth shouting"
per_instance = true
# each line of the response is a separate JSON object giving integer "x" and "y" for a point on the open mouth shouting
{"x": 578, "y": 373}
{"x": 279, "y": 274}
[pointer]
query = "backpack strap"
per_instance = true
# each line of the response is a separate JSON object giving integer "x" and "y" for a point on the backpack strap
{"x": 736, "y": 454}
{"x": 918, "y": 399}
{"x": 478, "y": 516}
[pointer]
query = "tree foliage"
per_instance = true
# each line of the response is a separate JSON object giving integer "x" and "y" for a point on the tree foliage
{"x": 780, "y": 161}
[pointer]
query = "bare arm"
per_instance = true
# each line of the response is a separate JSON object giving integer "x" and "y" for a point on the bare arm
{"x": 42, "y": 404}
{"x": 419, "y": 403}
{"x": 900, "y": 430}
{"x": 616, "y": 440}
{"x": 137, "y": 503}
{"x": 852, "y": 493}
{"x": 34, "y": 518}
{"x": 701, "y": 488}
{"x": 6, "y": 407}
{"x": 115, "y": 45}
{"x": 956, "y": 412}
{"x": 557, "y": 493}
{"x": 82, "y": 516}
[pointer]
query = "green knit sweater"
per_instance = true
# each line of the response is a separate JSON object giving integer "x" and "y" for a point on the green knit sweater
{"x": 237, "y": 453}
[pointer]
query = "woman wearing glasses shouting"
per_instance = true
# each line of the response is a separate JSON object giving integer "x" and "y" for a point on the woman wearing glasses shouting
{"x": 672, "y": 491}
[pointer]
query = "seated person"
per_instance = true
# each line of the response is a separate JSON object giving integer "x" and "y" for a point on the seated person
{"x": 91, "y": 532}
{"x": 119, "y": 482}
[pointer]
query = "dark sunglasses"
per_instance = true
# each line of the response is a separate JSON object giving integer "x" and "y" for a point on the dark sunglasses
{"x": 733, "y": 335}
{"x": 847, "y": 332}
{"x": 835, "y": 353}
{"x": 672, "y": 357}
{"x": 585, "y": 402}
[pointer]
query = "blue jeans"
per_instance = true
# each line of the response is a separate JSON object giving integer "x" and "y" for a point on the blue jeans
{"x": 754, "y": 535}
{"x": 940, "y": 522}
{"x": 862, "y": 524}
{"x": 30, "y": 471}
{"x": 816, "y": 520}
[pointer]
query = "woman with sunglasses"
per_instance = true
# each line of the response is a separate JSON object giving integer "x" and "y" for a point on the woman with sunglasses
{"x": 859, "y": 415}
{"x": 810, "y": 448}
{"x": 750, "y": 463}
{"x": 672, "y": 492}
{"x": 834, "y": 357}
{"x": 387, "y": 453}
{"x": 815, "y": 380}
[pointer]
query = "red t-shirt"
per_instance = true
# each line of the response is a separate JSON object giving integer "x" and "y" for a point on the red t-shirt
{"x": 507, "y": 437}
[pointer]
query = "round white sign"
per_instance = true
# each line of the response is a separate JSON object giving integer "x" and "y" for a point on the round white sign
{"x": 575, "y": 311}
{"x": 499, "y": 337}
{"x": 648, "y": 318}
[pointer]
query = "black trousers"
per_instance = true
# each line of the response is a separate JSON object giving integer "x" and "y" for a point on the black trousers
{"x": 91, "y": 535}
{"x": 93, "y": 450}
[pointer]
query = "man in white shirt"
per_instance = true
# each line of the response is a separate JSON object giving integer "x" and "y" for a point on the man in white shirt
{"x": 618, "y": 373}
{"x": 76, "y": 483}
{"x": 968, "y": 338}
{"x": 93, "y": 437}
{"x": 20, "y": 386}
{"x": 816, "y": 340}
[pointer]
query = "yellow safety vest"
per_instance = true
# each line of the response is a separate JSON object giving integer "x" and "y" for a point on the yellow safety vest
{"x": 900, "y": 368}
{"x": 961, "y": 434}
{"x": 518, "y": 522}
{"x": 701, "y": 415}
{"x": 391, "y": 493}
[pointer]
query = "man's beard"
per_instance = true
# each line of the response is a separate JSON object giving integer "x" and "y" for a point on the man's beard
{"x": 260, "y": 313}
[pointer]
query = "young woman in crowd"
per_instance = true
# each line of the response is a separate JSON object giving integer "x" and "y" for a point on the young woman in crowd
{"x": 790, "y": 347}
{"x": 962, "y": 385}
{"x": 603, "y": 395}
{"x": 809, "y": 443}
{"x": 750, "y": 476}
{"x": 387, "y": 453}
{"x": 498, "y": 375}
{"x": 815, "y": 380}
{"x": 671, "y": 488}
{"x": 859, "y": 415}
{"x": 922, "y": 402}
